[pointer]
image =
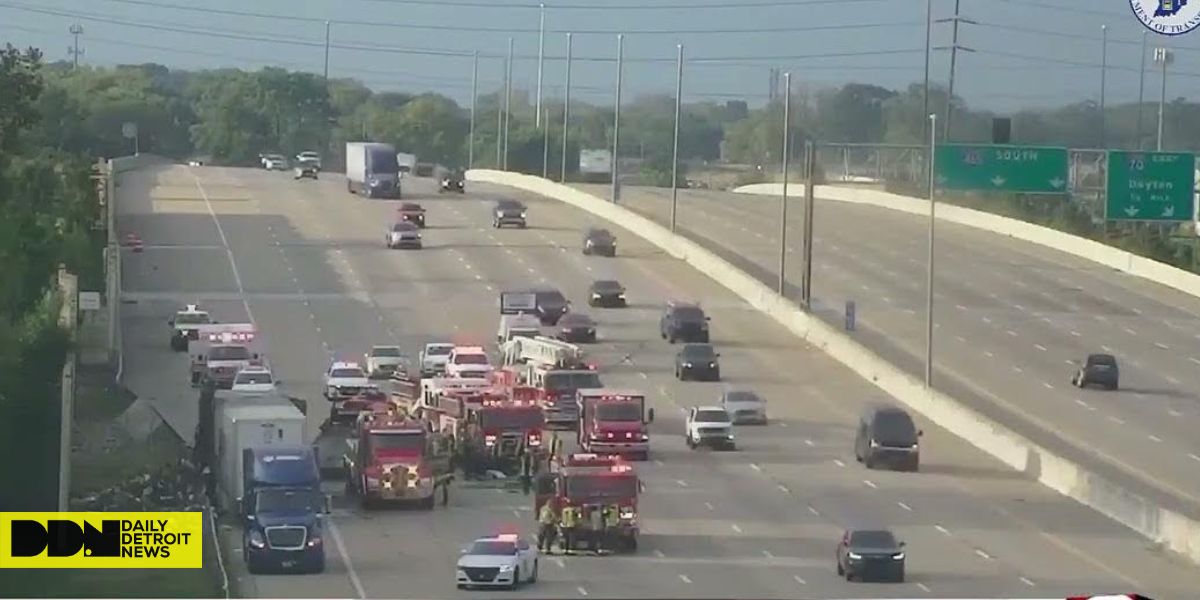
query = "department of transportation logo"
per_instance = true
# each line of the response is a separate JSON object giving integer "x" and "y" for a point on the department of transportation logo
{"x": 101, "y": 540}
{"x": 1168, "y": 17}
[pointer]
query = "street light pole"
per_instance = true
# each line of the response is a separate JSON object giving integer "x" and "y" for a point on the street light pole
{"x": 929, "y": 274}
{"x": 675, "y": 143}
{"x": 474, "y": 98}
{"x": 507, "y": 99}
{"x": 1103, "y": 82}
{"x": 616, "y": 186}
{"x": 1141, "y": 90}
{"x": 566, "y": 113}
{"x": 327, "y": 51}
{"x": 1164, "y": 57}
{"x": 541, "y": 59}
{"x": 546, "y": 147}
{"x": 783, "y": 204}
{"x": 928, "y": 50}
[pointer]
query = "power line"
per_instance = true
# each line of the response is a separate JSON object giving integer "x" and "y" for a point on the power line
{"x": 508, "y": 30}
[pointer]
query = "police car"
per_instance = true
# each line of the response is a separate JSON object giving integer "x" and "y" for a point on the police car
{"x": 345, "y": 380}
{"x": 254, "y": 379}
{"x": 506, "y": 560}
{"x": 184, "y": 326}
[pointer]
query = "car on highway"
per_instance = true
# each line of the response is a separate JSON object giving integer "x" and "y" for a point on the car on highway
{"x": 305, "y": 170}
{"x": 384, "y": 361}
{"x": 412, "y": 212}
{"x": 598, "y": 241}
{"x": 404, "y": 235}
{"x": 607, "y": 293}
{"x": 506, "y": 561}
{"x": 709, "y": 426}
{"x": 469, "y": 362}
{"x": 746, "y": 407}
{"x": 345, "y": 380}
{"x": 685, "y": 322}
{"x": 254, "y": 379}
{"x": 185, "y": 326}
{"x": 550, "y": 305}
{"x": 697, "y": 362}
{"x": 887, "y": 437}
{"x": 509, "y": 212}
{"x": 452, "y": 182}
{"x": 1100, "y": 370}
{"x": 870, "y": 555}
{"x": 275, "y": 162}
{"x": 433, "y": 356}
{"x": 576, "y": 328}
{"x": 310, "y": 156}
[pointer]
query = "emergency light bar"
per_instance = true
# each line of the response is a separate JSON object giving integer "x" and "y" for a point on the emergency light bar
{"x": 227, "y": 337}
{"x": 619, "y": 397}
{"x": 595, "y": 460}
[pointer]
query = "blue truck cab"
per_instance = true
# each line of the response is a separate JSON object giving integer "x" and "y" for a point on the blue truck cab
{"x": 283, "y": 510}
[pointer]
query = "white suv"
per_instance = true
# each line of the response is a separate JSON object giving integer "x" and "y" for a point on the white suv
{"x": 469, "y": 362}
{"x": 709, "y": 426}
{"x": 345, "y": 380}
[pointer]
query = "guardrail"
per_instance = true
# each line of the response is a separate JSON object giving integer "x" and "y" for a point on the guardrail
{"x": 1115, "y": 258}
{"x": 1173, "y": 530}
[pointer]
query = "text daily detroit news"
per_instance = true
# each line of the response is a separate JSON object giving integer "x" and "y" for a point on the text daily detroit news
{"x": 117, "y": 540}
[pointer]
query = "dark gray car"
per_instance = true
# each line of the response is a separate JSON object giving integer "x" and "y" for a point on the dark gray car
{"x": 870, "y": 555}
{"x": 509, "y": 212}
{"x": 887, "y": 437}
{"x": 699, "y": 362}
{"x": 576, "y": 328}
{"x": 1098, "y": 369}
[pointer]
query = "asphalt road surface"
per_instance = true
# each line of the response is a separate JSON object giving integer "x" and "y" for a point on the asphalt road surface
{"x": 1010, "y": 316}
{"x": 306, "y": 260}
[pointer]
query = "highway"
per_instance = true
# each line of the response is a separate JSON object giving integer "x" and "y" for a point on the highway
{"x": 1010, "y": 319}
{"x": 306, "y": 261}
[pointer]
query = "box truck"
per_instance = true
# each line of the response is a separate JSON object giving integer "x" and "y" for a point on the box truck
{"x": 372, "y": 170}
{"x": 251, "y": 426}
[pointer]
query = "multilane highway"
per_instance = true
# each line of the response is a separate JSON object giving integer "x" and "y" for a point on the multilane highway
{"x": 1010, "y": 317}
{"x": 306, "y": 261}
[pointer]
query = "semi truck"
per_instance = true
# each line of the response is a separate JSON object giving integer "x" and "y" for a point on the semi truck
{"x": 282, "y": 510}
{"x": 372, "y": 170}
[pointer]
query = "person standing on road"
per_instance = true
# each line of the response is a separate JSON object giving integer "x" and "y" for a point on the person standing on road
{"x": 569, "y": 526}
{"x": 612, "y": 527}
{"x": 526, "y": 472}
{"x": 596, "y": 518}
{"x": 549, "y": 527}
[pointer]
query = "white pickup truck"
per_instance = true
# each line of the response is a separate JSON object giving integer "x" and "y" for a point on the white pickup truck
{"x": 709, "y": 426}
{"x": 433, "y": 358}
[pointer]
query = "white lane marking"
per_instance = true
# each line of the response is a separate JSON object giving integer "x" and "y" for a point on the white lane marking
{"x": 1117, "y": 420}
{"x": 1106, "y": 349}
{"x": 1172, "y": 380}
{"x": 1174, "y": 413}
{"x": 870, "y": 484}
{"x": 341, "y": 546}
{"x": 942, "y": 529}
{"x": 960, "y": 307}
{"x": 839, "y": 463}
{"x": 708, "y": 505}
{"x": 756, "y": 467}
{"x": 799, "y": 579}
{"x": 813, "y": 510}
{"x": 681, "y": 483}
{"x": 960, "y": 338}
{"x": 1155, "y": 438}
{"x": 558, "y": 561}
{"x": 1018, "y": 307}
{"x": 904, "y": 506}
{"x": 767, "y": 553}
{"x": 1011, "y": 332}
{"x": 684, "y": 578}
{"x": 988, "y": 354}
{"x": 1027, "y": 581}
{"x": 1162, "y": 346}
{"x": 582, "y": 591}
{"x": 986, "y": 320}
{"x": 1194, "y": 359}
{"x": 782, "y": 488}
{"x": 1047, "y": 385}
{"x": 734, "y": 526}
{"x": 643, "y": 376}
{"x": 659, "y": 553}
{"x": 982, "y": 554}
{"x": 478, "y": 277}
{"x": 1082, "y": 403}
{"x": 1193, "y": 456}
{"x": 1130, "y": 331}
{"x": 923, "y": 587}
{"x": 1040, "y": 347}
{"x": 808, "y": 443}
{"x": 1074, "y": 333}
{"x": 658, "y": 462}
{"x": 1017, "y": 369}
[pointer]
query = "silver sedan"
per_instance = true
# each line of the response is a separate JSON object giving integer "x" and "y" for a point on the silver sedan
{"x": 745, "y": 406}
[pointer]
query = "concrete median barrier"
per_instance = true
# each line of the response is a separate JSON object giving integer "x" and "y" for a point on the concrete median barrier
{"x": 1115, "y": 258}
{"x": 1172, "y": 530}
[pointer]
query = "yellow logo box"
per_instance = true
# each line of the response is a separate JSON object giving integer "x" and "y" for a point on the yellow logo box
{"x": 101, "y": 540}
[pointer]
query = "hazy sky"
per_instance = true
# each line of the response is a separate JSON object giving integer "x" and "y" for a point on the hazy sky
{"x": 1026, "y": 52}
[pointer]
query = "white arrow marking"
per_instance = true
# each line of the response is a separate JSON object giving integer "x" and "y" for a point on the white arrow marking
{"x": 998, "y": 181}
{"x": 1057, "y": 182}
{"x": 1131, "y": 211}
{"x": 1169, "y": 211}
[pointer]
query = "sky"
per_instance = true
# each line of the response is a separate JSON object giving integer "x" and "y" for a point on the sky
{"x": 1015, "y": 53}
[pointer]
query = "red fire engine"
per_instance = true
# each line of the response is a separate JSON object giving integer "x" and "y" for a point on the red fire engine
{"x": 393, "y": 458}
{"x": 494, "y": 428}
{"x": 557, "y": 369}
{"x": 614, "y": 421}
{"x": 590, "y": 482}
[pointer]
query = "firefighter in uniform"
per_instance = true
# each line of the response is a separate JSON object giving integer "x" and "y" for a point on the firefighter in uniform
{"x": 548, "y": 527}
{"x": 526, "y": 471}
{"x": 596, "y": 524}
{"x": 612, "y": 525}
{"x": 569, "y": 526}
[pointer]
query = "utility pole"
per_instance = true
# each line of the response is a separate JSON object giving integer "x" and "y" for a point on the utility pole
{"x": 1164, "y": 57}
{"x": 928, "y": 53}
{"x": 546, "y": 147}
{"x": 1141, "y": 91}
{"x": 74, "y": 50}
{"x": 616, "y": 185}
{"x": 675, "y": 143}
{"x": 474, "y": 99}
{"x": 541, "y": 59}
{"x": 1103, "y": 82}
{"x": 783, "y": 204}
{"x": 929, "y": 274}
{"x": 954, "y": 47}
{"x": 507, "y": 99}
{"x": 327, "y": 52}
{"x": 566, "y": 113}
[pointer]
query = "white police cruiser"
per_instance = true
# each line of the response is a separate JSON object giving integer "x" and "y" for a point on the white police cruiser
{"x": 505, "y": 561}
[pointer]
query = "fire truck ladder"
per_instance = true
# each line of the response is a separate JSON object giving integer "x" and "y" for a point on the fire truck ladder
{"x": 542, "y": 350}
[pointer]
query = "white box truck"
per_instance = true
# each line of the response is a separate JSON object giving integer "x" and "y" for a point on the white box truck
{"x": 372, "y": 170}
{"x": 252, "y": 425}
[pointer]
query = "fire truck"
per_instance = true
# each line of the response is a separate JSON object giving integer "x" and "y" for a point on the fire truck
{"x": 394, "y": 458}
{"x": 590, "y": 482}
{"x": 557, "y": 369}
{"x": 614, "y": 421}
{"x": 220, "y": 351}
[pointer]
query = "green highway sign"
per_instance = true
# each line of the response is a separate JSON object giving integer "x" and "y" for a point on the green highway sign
{"x": 1001, "y": 168}
{"x": 1150, "y": 186}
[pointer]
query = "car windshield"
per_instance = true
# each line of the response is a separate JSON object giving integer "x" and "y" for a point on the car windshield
{"x": 493, "y": 548}
{"x": 569, "y": 382}
{"x": 599, "y": 234}
{"x": 576, "y": 321}
{"x": 396, "y": 440}
{"x": 380, "y": 161}
{"x": 408, "y": 206}
{"x": 192, "y": 319}
{"x": 405, "y": 226}
{"x": 510, "y": 205}
{"x": 1102, "y": 359}
{"x": 625, "y": 412}
{"x": 386, "y": 351}
{"x": 596, "y": 486}
{"x": 511, "y": 418}
{"x": 252, "y": 379}
{"x": 275, "y": 500}
{"x": 712, "y": 416}
{"x": 229, "y": 353}
{"x": 607, "y": 286}
{"x": 742, "y": 397}
{"x": 309, "y": 155}
{"x": 873, "y": 539}
{"x": 689, "y": 313}
{"x": 354, "y": 373}
{"x": 274, "y": 157}
{"x": 699, "y": 351}
{"x": 893, "y": 428}
{"x": 470, "y": 359}
{"x": 438, "y": 350}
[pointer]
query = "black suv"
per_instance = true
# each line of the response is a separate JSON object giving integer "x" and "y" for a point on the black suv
{"x": 1098, "y": 369}
{"x": 870, "y": 555}
{"x": 697, "y": 361}
{"x": 508, "y": 212}
{"x": 887, "y": 436}
{"x": 551, "y": 305}
{"x": 599, "y": 242}
{"x": 684, "y": 322}
{"x": 607, "y": 293}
